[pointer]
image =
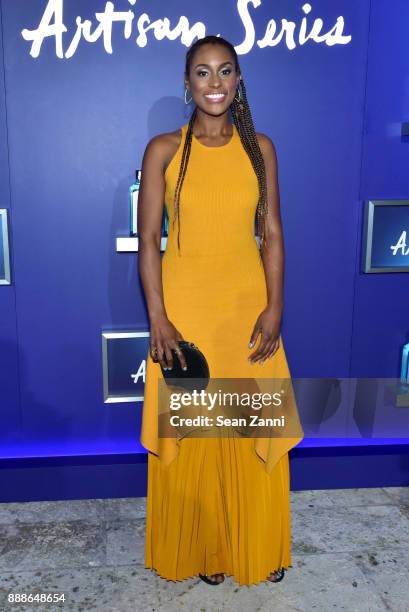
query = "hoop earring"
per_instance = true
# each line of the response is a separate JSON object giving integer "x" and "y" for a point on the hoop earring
{"x": 239, "y": 98}
{"x": 187, "y": 101}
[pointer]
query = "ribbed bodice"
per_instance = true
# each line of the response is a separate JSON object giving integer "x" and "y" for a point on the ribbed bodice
{"x": 217, "y": 203}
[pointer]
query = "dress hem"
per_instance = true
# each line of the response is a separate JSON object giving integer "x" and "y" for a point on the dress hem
{"x": 253, "y": 583}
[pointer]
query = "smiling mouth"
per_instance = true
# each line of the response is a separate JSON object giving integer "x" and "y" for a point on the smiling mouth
{"x": 216, "y": 97}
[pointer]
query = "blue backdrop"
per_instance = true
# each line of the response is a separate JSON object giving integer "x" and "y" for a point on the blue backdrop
{"x": 75, "y": 117}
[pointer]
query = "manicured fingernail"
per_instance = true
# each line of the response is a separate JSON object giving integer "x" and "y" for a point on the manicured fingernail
{"x": 185, "y": 368}
{"x": 251, "y": 344}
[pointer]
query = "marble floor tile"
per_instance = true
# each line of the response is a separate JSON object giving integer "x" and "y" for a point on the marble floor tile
{"x": 388, "y": 570}
{"x": 336, "y": 497}
{"x": 98, "y": 589}
{"x": 398, "y": 494}
{"x": 349, "y": 552}
{"x": 51, "y": 511}
{"x": 348, "y": 528}
{"x": 125, "y": 508}
{"x": 125, "y": 541}
{"x": 50, "y": 545}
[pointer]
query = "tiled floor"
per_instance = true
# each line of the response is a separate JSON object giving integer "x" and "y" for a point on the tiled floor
{"x": 350, "y": 551}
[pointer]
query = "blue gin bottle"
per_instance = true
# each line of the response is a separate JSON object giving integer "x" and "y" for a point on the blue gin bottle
{"x": 133, "y": 204}
{"x": 165, "y": 222}
{"x": 404, "y": 377}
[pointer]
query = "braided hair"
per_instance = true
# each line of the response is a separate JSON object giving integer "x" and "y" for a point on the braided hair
{"x": 243, "y": 121}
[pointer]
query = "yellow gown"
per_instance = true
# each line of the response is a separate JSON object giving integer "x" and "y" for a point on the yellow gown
{"x": 215, "y": 504}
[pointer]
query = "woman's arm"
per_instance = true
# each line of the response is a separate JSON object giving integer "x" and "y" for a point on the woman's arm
{"x": 163, "y": 335}
{"x": 272, "y": 254}
{"x": 150, "y": 210}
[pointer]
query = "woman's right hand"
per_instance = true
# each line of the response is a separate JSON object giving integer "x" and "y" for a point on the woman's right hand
{"x": 164, "y": 337}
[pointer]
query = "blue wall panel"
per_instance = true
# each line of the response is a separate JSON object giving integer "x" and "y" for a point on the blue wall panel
{"x": 10, "y": 414}
{"x": 381, "y": 304}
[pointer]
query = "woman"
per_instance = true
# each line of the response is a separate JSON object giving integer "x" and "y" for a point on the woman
{"x": 215, "y": 507}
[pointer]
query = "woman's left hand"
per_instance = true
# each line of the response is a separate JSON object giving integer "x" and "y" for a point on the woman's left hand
{"x": 268, "y": 325}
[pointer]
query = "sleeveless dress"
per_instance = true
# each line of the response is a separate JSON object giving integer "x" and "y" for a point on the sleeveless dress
{"x": 215, "y": 505}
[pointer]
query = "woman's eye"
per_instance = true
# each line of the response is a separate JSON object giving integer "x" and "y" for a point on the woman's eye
{"x": 225, "y": 72}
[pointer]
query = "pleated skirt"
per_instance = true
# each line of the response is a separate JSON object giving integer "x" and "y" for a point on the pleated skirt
{"x": 214, "y": 509}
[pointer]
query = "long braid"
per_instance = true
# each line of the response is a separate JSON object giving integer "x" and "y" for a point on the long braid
{"x": 240, "y": 111}
{"x": 244, "y": 123}
{"x": 182, "y": 171}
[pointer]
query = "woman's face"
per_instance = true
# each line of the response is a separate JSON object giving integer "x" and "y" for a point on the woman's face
{"x": 213, "y": 79}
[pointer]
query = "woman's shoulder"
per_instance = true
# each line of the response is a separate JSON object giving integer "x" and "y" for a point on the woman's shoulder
{"x": 265, "y": 142}
{"x": 163, "y": 146}
{"x": 267, "y": 148}
{"x": 166, "y": 139}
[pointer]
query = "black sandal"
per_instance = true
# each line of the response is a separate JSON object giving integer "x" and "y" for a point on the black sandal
{"x": 280, "y": 573}
{"x": 208, "y": 581}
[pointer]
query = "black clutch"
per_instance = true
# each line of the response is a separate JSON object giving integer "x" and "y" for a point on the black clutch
{"x": 197, "y": 374}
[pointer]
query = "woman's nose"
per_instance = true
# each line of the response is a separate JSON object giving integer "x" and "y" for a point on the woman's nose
{"x": 215, "y": 81}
